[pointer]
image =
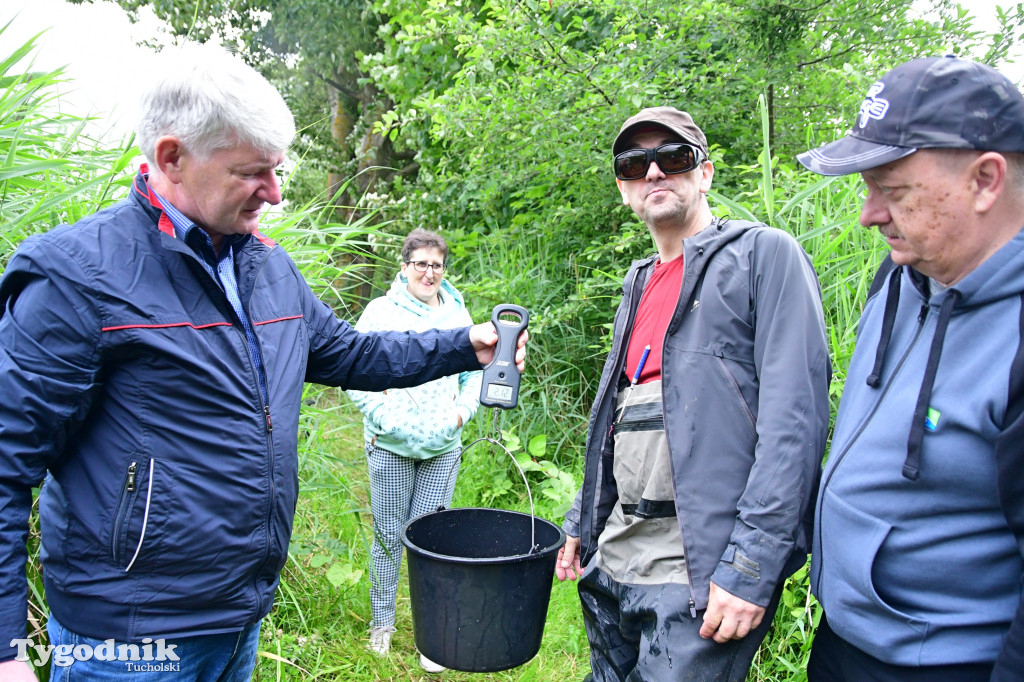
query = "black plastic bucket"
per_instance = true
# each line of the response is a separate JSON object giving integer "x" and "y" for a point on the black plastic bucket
{"x": 479, "y": 596}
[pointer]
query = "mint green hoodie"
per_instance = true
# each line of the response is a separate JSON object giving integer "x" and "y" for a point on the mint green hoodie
{"x": 422, "y": 421}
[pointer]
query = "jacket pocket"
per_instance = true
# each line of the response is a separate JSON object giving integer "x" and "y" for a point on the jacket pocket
{"x": 737, "y": 400}
{"x": 146, "y": 498}
{"x": 855, "y": 609}
{"x": 129, "y": 489}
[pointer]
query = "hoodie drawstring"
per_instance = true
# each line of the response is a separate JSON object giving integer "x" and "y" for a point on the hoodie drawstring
{"x": 912, "y": 465}
{"x": 892, "y": 301}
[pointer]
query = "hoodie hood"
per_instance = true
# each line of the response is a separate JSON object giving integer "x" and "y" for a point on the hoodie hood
{"x": 451, "y": 301}
{"x": 1000, "y": 276}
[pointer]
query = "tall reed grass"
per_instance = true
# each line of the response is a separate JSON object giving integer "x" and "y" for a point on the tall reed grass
{"x": 51, "y": 170}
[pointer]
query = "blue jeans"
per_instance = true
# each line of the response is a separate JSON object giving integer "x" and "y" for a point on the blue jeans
{"x": 228, "y": 657}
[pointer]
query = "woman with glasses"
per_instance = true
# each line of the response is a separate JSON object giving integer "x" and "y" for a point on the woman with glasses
{"x": 413, "y": 435}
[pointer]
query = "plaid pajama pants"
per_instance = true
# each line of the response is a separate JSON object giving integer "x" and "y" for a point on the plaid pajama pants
{"x": 401, "y": 489}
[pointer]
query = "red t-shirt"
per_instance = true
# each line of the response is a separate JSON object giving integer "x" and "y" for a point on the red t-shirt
{"x": 657, "y": 304}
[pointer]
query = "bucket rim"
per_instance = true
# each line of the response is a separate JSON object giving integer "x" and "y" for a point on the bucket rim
{"x": 543, "y": 552}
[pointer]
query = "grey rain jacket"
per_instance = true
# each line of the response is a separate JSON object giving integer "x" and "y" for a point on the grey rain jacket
{"x": 745, "y": 378}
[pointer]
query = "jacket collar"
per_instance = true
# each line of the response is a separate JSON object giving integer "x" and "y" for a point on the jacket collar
{"x": 151, "y": 202}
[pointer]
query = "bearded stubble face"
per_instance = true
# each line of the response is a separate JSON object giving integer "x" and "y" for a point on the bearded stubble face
{"x": 666, "y": 201}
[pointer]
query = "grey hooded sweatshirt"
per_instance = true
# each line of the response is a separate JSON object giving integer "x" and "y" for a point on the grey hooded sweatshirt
{"x": 919, "y": 537}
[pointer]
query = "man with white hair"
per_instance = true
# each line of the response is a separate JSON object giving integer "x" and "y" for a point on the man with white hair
{"x": 152, "y": 361}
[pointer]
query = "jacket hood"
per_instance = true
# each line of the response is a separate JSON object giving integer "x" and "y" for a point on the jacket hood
{"x": 717, "y": 234}
{"x": 1000, "y": 276}
{"x": 450, "y": 298}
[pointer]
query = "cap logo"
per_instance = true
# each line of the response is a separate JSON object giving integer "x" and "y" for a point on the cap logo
{"x": 873, "y": 106}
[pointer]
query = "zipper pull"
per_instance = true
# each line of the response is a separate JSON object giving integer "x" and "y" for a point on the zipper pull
{"x": 131, "y": 478}
{"x": 693, "y": 609}
{"x": 266, "y": 412}
{"x": 923, "y": 314}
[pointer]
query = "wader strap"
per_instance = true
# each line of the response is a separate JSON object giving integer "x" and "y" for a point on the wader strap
{"x": 651, "y": 509}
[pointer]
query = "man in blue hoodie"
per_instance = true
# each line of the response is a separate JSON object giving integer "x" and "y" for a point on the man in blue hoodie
{"x": 412, "y": 435}
{"x": 918, "y": 552}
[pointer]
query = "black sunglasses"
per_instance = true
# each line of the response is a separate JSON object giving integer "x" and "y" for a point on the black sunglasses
{"x": 672, "y": 158}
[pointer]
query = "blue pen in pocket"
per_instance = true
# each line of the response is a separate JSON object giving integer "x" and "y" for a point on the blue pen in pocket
{"x": 636, "y": 378}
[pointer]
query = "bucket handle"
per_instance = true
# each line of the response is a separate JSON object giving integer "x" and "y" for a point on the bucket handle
{"x": 533, "y": 517}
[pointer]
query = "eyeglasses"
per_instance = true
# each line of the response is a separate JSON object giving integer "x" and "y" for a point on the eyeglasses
{"x": 672, "y": 158}
{"x": 422, "y": 265}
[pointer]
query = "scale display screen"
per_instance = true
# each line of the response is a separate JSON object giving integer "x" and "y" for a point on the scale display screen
{"x": 499, "y": 392}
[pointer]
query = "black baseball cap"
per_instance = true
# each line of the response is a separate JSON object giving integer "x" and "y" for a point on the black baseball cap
{"x": 930, "y": 103}
{"x": 669, "y": 118}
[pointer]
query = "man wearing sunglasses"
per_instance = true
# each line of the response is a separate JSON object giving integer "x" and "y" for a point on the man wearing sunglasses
{"x": 704, "y": 450}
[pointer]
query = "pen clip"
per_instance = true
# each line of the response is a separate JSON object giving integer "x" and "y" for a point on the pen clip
{"x": 636, "y": 378}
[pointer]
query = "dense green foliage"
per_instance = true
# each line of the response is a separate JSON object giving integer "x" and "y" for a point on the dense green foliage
{"x": 492, "y": 121}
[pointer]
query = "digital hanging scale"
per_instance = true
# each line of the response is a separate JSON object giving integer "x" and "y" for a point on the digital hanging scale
{"x": 500, "y": 386}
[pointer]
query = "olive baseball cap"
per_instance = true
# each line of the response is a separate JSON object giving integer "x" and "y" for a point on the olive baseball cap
{"x": 669, "y": 118}
{"x": 930, "y": 103}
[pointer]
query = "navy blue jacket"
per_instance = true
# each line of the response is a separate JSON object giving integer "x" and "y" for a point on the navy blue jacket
{"x": 124, "y": 372}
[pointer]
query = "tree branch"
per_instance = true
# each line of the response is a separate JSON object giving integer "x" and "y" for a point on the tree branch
{"x": 853, "y": 48}
{"x": 338, "y": 86}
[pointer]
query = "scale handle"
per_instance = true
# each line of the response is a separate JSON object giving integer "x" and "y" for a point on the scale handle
{"x": 500, "y": 385}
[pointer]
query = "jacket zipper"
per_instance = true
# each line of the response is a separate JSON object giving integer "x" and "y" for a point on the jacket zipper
{"x": 270, "y": 429}
{"x": 268, "y": 423}
{"x": 145, "y": 516}
{"x": 664, "y": 413}
{"x": 611, "y": 427}
{"x": 123, "y": 507}
{"x": 921, "y": 317}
